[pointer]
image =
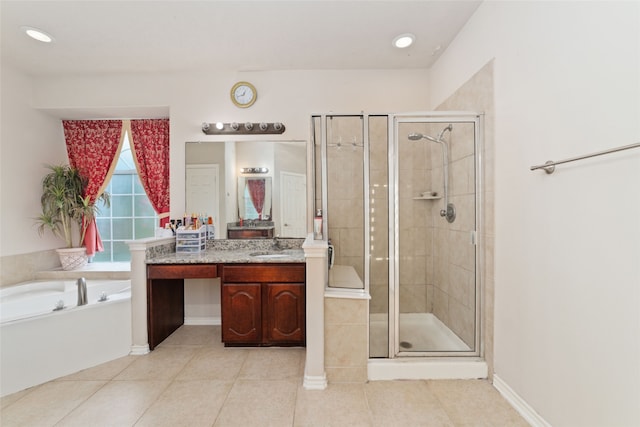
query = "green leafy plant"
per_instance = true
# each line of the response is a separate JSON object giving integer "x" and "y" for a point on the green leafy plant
{"x": 63, "y": 207}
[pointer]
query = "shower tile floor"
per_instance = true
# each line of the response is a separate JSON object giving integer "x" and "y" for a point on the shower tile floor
{"x": 419, "y": 332}
{"x": 192, "y": 380}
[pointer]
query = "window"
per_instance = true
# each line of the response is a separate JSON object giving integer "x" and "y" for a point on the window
{"x": 250, "y": 211}
{"x": 130, "y": 216}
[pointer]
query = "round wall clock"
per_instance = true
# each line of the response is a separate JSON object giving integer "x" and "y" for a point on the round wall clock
{"x": 243, "y": 94}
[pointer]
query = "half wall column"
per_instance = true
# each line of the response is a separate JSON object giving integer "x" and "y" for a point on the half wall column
{"x": 315, "y": 252}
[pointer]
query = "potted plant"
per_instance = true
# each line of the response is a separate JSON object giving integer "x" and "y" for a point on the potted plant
{"x": 66, "y": 212}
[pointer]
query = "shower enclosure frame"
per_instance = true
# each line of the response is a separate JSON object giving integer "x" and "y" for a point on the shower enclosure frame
{"x": 475, "y": 237}
{"x": 325, "y": 141}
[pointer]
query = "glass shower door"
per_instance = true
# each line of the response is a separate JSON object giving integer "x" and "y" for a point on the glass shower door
{"x": 435, "y": 284}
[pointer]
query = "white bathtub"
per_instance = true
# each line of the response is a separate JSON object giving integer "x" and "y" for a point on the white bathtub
{"x": 38, "y": 344}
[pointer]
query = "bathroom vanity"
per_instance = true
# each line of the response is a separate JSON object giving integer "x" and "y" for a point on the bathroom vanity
{"x": 262, "y": 293}
{"x": 255, "y": 230}
{"x": 263, "y": 304}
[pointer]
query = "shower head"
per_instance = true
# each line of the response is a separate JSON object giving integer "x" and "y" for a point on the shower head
{"x": 415, "y": 136}
{"x": 418, "y": 136}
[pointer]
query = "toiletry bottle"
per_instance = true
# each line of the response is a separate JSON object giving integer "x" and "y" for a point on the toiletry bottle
{"x": 211, "y": 231}
{"x": 317, "y": 225}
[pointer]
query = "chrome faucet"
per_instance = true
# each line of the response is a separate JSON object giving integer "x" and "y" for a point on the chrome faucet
{"x": 82, "y": 291}
{"x": 276, "y": 243}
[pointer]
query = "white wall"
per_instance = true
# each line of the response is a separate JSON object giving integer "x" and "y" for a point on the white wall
{"x": 29, "y": 137}
{"x": 29, "y": 140}
{"x": 567, "y": 248}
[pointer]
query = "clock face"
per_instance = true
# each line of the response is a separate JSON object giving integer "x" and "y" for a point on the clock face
{"x": 243, "y": 94}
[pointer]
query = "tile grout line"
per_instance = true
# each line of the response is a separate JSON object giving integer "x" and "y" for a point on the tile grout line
{"x": 106, "y": 382}
{"x": 366, "y": 400}
{"x": 226, "y": 398}
{"x": 169, "y": 384}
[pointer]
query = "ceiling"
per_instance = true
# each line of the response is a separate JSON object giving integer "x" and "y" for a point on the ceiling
{"x": 92, "y": 37}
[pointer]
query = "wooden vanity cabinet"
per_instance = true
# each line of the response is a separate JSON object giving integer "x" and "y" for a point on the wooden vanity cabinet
{"x": 263, "y": 304}
{"x": 165, "y": 296}
{"x": 250, "y": 233}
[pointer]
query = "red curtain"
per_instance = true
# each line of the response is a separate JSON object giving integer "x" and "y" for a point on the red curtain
{"x": 92, "y": 147}
{"x": 256, "y": 192}
{"x": 150, "y": 144}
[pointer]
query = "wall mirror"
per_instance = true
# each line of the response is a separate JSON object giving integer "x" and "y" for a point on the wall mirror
{"x": 216, "y": 186}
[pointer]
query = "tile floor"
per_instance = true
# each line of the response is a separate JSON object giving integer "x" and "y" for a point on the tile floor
{"x": 192, "y": 380}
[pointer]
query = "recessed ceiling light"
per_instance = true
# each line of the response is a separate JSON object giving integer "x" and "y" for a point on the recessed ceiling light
{"x": 404, "y": 40}
{"x": 37, "y": 34}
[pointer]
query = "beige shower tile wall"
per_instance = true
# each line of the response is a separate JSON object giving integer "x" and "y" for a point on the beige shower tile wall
{"x": 454, "y": 253}
{"x": 475, "y": 95}
{"x": 346, "y": 349}
{"x": 378, "y": 244}
{"x": 415, "y": 222}
{"x": 379, "y": 214}
{"x": 345, "y": 187}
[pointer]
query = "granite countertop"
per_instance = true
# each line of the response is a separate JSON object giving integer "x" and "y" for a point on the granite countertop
{"x": 239, "y": 252}
{"x": 212, "y": 256}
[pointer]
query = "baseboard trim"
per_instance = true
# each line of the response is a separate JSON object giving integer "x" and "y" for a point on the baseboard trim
{"x": 139, "y": 350}
{"x": 203, "y": 321}
{"x": 315, "y": 382}
{"x": 519, "y": 404}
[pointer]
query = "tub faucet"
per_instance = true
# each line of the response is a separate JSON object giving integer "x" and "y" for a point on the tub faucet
{"x": 82, "y": 291}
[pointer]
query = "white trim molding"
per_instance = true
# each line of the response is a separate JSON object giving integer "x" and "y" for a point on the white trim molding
{"x": 519, "y": 404}
{"x": 207, "y": 321}
{"x": 426, "y": 369}
{"x": 317, "y": 382}
{"x": 139, "y": 350}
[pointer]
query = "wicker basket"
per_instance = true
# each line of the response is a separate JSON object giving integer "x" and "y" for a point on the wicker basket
{"x": 72, "y": 258}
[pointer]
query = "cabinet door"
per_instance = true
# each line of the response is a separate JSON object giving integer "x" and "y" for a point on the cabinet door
{"x": 241, "y": 313}
{"x": 165, "y": 308}
{"x": 284, "y": 317}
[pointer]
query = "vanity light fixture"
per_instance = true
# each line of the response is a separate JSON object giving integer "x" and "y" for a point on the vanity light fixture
{"x": 248, "y": 128}
{"x": 254, "y": 170}
{"x": 403, "y": 40}
{"x": 37, "y": 34}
